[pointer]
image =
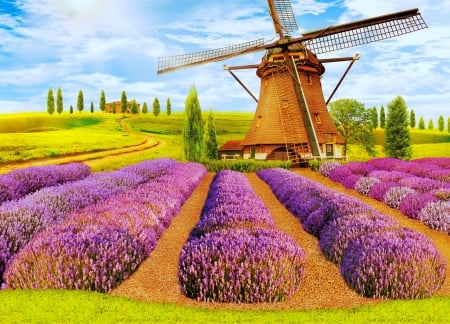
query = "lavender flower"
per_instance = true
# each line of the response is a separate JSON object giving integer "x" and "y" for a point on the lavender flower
{"x": 394, "y": 196}
{"x": 339, "y": 173}
{"x": 364, "y": 184}
{"x": 327, "y": 166}
{"x": 350, "y": 181}
{"x": 394, "y": 264}
{"x": 241, "y": 265}
{"x": 379, "y": 189}
{"x": 436, "y": 215}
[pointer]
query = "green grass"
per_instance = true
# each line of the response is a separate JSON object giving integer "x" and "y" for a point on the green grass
{"x": 88, "y": 307}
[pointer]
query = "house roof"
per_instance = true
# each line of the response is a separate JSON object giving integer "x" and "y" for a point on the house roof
{"x": 234, "y": 145}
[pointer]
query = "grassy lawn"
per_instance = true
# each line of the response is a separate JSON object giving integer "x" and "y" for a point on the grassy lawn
{"x": 88, "y": 307}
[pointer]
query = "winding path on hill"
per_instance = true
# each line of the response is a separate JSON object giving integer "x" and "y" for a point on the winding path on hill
{"x": 146, "y": 143}
{"x": 156, "y": 278}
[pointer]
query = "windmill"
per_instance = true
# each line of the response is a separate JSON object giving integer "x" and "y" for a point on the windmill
{"x": 291, "y": 120}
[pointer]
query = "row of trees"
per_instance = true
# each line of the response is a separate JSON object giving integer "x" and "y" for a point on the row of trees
{"x": 59, "y": 107}
{"x": 355, "y": 123}
{"x": 199, "y": 140}
{"x": 379, "y": 120}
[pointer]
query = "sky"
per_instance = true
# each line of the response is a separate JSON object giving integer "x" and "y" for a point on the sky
{"x": 114, "y": 45}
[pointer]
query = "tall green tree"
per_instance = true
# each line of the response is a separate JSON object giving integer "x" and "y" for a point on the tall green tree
{"x": 374, "y": 117}
{"x": 412, "y": 119}
{"x": 193, "y": 128}
{"x": 382, "y": 118}
{"x": 448, "y": 124}
{"x": 430, "y": 124}
{"x": 209, "y": 139}
{"x": 71, "y": 109}
{"x": 80, "y": 101}
{"x": 134, "y": 107}
{"x": 398, "y": 140}
{"x": 145, "y": 108}
{"x": 354, "y": 122}
{"x": 123, "y": 102}
{"x": 59, "y": 101}
{"x": 50, "y": 102}
{"x": 92, "y": 107}
{"x": 102, "y": 104}
{"x": 156, "y": 107}
{"x": 421, "y": 125}
{"x": 168, "y": 107}
{"x": 441, "y": 123}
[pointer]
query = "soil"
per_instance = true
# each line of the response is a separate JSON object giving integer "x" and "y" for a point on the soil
{"x": 156, "y": 278}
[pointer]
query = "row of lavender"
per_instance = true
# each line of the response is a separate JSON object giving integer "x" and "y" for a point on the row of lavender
{"x": 234, "y": 254}
{"x": 18, "y": 183}
{"x": 420, "y": 189}
{"x": 100, "y": 246}
{"x": 21, "y": 219}
{"x": 376, "y": 255}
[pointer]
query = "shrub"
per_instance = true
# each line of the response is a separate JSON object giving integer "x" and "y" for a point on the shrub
{"x": 88, "y": 257}
{"x": 413, "y": 203}
{"x": 364, "y": 184}
{"x": 393, "y": 264}
{"x": 421, "y": 184}
{"x": 244, "y": 165}
{"x": 394, "y": 196}
{"x": 436, "y": 215}
{"x": 350, "y": 181}
{"x": 339, "y": 173}
{"x": 327, "y": 166}
{"x": 379, "y": 189}
{"x": 241, "y": 265}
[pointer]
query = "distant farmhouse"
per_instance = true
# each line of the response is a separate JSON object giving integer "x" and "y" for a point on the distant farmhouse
{"x": 114, "y": 107}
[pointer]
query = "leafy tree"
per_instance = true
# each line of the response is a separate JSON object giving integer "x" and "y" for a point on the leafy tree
{"x": 145, "y": 108}
{"x": 354, "y": 122}
{"x": 398, "y": 141}
{"x": 134, "y": 107}
{"x": 156, "y": 107}
{"x": 193, "y": 128}
{"x": 382, "y": 117}
{"x": 59, "y": 101}
{"x": 102, "y": 105}
{"x": 50, "y": 102}
{"x": 80, "y": 101}
{"x": 209, "y": 139}
{"x": 412, "y": 119}
{"x": 168, "y": 107}
{"x": 71, "y": 109}
{"x": 441, "y": 123}
{"x": 421, "y": 123}
{"x": 448, "y": 124}
{"x": 430, "y": 124}
{"x": 374, "y": 117}
{"x": 123, "y": 102}
{"x": 92, "y": 107}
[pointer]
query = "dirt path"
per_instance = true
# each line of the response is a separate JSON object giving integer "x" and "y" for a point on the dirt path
{"x": 146, "y": 143}
{"x": 156, "y": 279}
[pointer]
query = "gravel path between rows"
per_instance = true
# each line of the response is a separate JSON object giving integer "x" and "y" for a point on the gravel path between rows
{"x": 156, "y": 278}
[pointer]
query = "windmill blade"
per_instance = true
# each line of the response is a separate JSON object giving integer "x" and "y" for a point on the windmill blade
{"x": 177, "y": 62}
{"x": 282, "y": 16}
{"x": 363, "y": 31}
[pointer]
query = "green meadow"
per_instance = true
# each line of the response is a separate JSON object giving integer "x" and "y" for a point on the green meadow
{"x": 37, "y": 135}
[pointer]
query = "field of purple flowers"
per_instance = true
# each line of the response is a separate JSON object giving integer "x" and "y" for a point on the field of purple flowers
{"x": 420, "y": 189}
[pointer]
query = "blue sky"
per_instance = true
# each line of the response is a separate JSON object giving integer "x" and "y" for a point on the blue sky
{"x": 114, "y": 45}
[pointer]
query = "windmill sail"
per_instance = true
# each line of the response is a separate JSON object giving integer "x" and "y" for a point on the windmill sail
{"x": 282, "y": 16}
{"x": 363, "y": 31}
{"x": 177, "y": 62}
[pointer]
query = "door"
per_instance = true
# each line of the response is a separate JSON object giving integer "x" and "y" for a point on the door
{"x": 329, "y": 150}
{"x": 252, "y": 152}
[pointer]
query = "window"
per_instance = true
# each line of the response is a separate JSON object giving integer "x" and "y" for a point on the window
{"x": 317, "y": 118}
{"x": 284, "y": 103}
{"x": 258, "y": 122}
{"x": 308, "y": 79}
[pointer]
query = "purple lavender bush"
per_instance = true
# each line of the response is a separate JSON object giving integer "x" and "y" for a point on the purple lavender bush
{"x": 350, "y": 181}
{"x": 386, "y": 163}
{"x": 241, "y": 266}
{"x": 339, "y": 173}
{"x": 399, "y": 264}
{"x": 327, "y": 166}
{"x": 364, "y": 184}
{"x": 421, "y": 184}
{"x": 379, "y": 189}
{"x": 88, "y": 257}
{"x": 337, "y": 234}
{"x": 412, "y": 204}
{"x": 436, "y": 215}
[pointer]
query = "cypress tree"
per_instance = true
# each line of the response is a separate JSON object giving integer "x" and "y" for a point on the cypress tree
{"x": 441, "y": 123}
{"x": 102, "y": 105}
{"x": 71, "y": 109}
{"x": 421, "y": 123}
{"x": 59, "y": 101}
{"x": 412, "y": 119}
{"x": 80, "y": 101}
{"x": 210, "y": 140}
{"x": 50, "y": 102}
{"x": 382, "y": 117}
{"x": 134, "y": 107}
{"x": 156, "y": 107}
{"x": 145, "y": 108}
{"x": 398, "y": 141}
{"x": 193, "y": 128}
{"x": 374, "y": 117}
{"x": 168, "y": 107}
{"x": 123, "y": 103}
{"x": 430, "y": 124}
{"x": 448, "y": 124}
{"x": 92, "y": 107}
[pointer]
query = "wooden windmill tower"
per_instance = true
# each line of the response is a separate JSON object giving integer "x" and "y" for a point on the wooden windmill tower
{"x": 291, "y": 120}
